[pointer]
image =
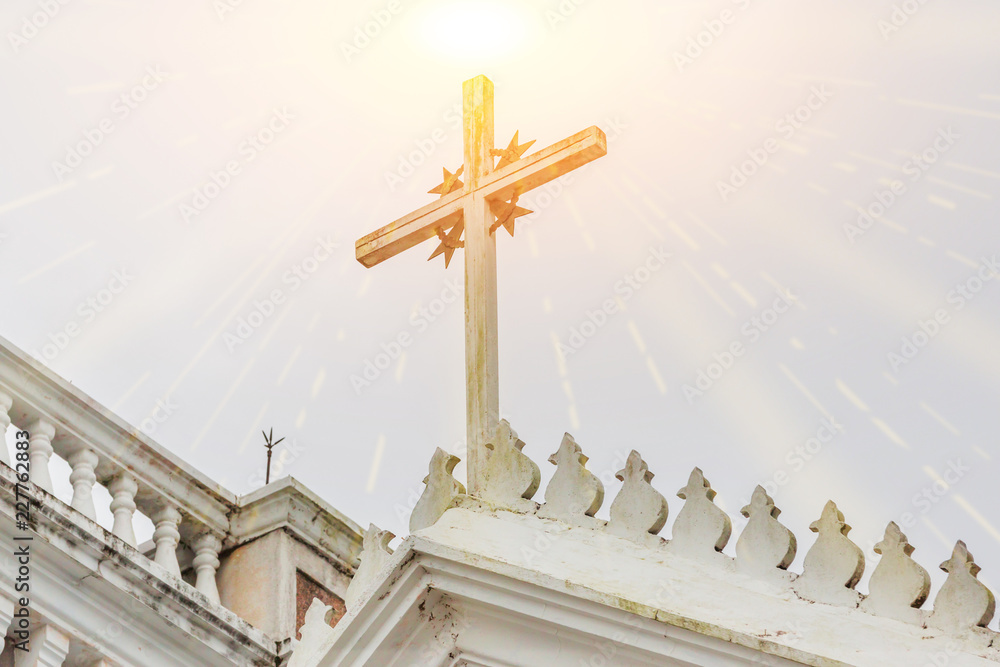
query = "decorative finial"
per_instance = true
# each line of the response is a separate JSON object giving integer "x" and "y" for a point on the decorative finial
{"x": 963, "y": 602}
{"x": 315, "y": 631}
{"x": 765, "y": 545}
{"x": 375, "y": 553}
{"x": 440, "y": 490}
{"x": 510, "y": 478}
{"x": 574, "y": 492}
{"x": 899, "y": 586}
{"x": 834, "y": 564}
{"x": 639, "y": 511}
{"x": 702, "y": 529}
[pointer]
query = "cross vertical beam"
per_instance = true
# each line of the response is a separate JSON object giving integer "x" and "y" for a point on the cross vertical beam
{"x": 469, "y": 209}
{"x": 482, "y": 393}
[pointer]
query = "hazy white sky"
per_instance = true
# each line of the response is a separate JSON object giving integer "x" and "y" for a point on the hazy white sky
{"x": 171, "y": 168}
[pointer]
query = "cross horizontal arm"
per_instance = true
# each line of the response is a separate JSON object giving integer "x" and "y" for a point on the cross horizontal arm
{"x": 409, "y": 230}
{"x": 546, "y": 165}
{"x": 518, "y": 177}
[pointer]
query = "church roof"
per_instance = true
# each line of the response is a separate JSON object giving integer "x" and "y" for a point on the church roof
{"x": 674, "y": 597}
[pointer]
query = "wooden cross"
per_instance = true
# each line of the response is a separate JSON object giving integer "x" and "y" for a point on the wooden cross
{"x": 486, "y": 200}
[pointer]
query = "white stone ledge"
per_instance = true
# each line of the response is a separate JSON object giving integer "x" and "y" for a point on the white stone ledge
{"x": 550, "y": 562}
{"x": 287, "y": 504}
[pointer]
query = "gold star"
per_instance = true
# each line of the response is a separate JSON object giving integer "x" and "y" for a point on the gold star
{"x": 449, "y": 242}
{"x": 506, "y": 213}
{"x": 450, "y": 184}
{"x": 512, "y": 153}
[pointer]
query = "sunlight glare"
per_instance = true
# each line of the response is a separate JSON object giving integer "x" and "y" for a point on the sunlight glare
{"x": 470, "y": 29}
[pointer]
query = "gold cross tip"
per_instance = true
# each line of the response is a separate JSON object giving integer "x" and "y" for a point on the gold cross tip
{"x": 512, "y": 153}
{"x": 449, "y": 184}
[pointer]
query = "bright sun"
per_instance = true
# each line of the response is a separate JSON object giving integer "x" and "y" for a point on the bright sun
{"x": 474, "y": 29}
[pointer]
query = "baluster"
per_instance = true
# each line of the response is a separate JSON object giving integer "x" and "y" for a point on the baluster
{"x": 83, "y": 462}
{"x": 5, "y": 402}
{"x": 166, "y": 536}
{"x": 39, "y": 453}
{"x": 206, "y": 561}
{"x": 123, "y": 489}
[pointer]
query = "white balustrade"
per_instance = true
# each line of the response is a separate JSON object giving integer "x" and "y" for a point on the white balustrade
{"x": 206, "y": 562}
{"x": 167, "y": 537}
{"x": 123, "y": 489}
{"x": 83, "y": 461}
{"x": 39, "y": 452}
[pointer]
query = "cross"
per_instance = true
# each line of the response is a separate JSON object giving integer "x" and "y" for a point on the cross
{"x": 486, "y": 200}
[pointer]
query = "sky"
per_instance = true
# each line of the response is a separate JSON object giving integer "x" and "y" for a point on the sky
{"x": 795, "y": 226}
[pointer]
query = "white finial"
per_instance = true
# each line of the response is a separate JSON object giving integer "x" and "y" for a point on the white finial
{"x": 510, "y": 478}
{"x": 834, "y": 565}
{"x": 899, "y": 586}
{"x": 963, "y": 602}
{"x": 765, "y": 546}
{"x": 374, "y": 555}
{"x": 639, "y": 511}
{"x": 574, "y": 492}
{"x": 439, "y": 491}
{"x": 702, "y": 530}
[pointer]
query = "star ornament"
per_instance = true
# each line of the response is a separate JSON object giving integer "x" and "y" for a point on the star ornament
{"x": 450, "y": 182}
{"x": 506, "y": 213}
{"x": 449, "y": 243}
{"x": 512, "y": 153}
